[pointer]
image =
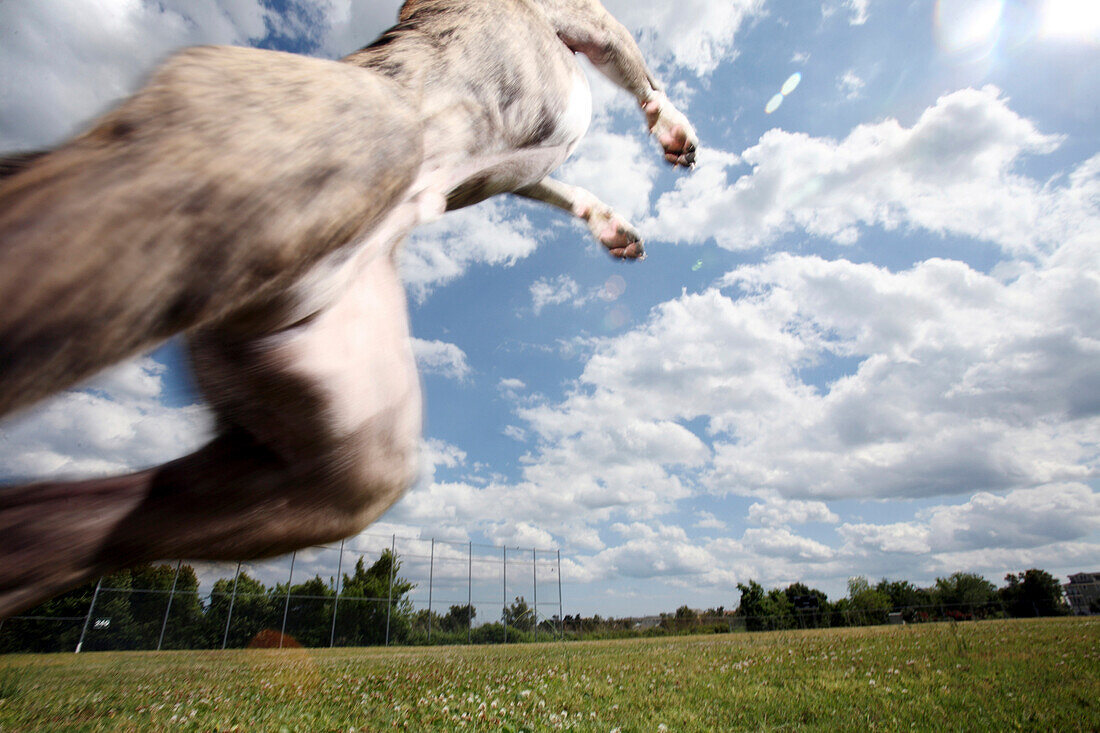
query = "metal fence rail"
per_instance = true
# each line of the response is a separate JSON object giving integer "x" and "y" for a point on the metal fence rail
{"x": 457, "y": 574}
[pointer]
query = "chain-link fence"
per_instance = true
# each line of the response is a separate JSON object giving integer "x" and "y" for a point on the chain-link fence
{"x": 370, "y": 590}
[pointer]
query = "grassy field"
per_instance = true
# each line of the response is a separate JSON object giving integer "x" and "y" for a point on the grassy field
{"x": 992, "y": 675}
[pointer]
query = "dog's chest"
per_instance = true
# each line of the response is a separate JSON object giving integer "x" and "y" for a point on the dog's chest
{"x": 573, "y": 121}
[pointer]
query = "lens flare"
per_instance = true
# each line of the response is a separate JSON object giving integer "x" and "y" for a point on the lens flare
{"x": 971, "y": 26}
{"x": 697, "y": 266}
{"x": 791, "y": 84}
{"x": 788, "y": 86}
{"x": 613, "y": 288}
{"x": 617, "y": 317}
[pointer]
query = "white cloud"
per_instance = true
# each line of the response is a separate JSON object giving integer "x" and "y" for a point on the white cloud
{"x": 490, "y": 233}
{"x": 695, "y": 34}
{"x": 967, "y": 383}
{"x": 619, "y": 168}
{"x": 511, "y": 388}
{"x": 951, "y": 172}
{"x": 66, "y": 61}
{"x": 857, "y": 10}
{"x": 1047, "y": 526}
{"x": 776, "y": 512}
{"x": 962, "y": 383}
{"x": 352, "y": 24}
{"x": 440, "y": 357}
{"x": 521, "y": 534}
{"x": 782, "y": 543}
{"x": 115, "y": 424}
{"x": 515, "y": 433}
{"x": 850, "y": 85}
{"x": 553, "y": 291}
{"x": 707, "y": 520}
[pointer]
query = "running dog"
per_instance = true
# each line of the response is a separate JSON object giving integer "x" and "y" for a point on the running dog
{"x": 255, "y": 201}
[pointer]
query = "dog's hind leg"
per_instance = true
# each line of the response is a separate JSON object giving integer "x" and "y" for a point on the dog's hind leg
{"x": 318, "y": 430}
{"x": 611, "y": 230}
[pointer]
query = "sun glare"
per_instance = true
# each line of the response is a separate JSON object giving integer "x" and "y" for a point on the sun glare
{"x": 968, "y": 25}
{"x": 1079, "y": 19}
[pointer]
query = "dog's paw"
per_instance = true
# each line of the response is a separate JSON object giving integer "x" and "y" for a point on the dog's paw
{"x": 615, "y": 233}
{"x": 672, "y": 130}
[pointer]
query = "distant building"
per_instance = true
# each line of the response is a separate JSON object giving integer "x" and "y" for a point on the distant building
{"x": 1083, "y": 592}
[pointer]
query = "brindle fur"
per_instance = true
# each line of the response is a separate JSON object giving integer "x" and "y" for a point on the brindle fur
{"x": 254, "y": 200}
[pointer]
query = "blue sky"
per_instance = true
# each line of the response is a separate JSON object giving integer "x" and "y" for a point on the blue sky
{"x": 864, "y": 341}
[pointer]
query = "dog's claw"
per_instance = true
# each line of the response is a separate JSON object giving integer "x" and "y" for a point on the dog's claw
{"x": 615, "y": 233}
{"x": 672, "y": 130}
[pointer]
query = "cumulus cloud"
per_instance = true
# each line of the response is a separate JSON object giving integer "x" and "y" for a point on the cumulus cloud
{"x": 440, "y": 357}
{"x": 953, "y": 172}
{"x": 115, "y": 424}
{"x": 1021, "y": 519}
{"x": 65, "y": 61}
{"x": 777, "y": 512}
{"x": 619, "y": 168}
{"x": 781, "y": 542}
{"x": 490, "y": 233}
{"x": 965, "y": 383}
{"x": 695, "y": 34}
{"x": 349, "y": 25}
{"x": 707, "y": 520}
{"x": 553, "y": 291}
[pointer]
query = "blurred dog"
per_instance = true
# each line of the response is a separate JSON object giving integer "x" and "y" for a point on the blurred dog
{"x": 255, "y": 200}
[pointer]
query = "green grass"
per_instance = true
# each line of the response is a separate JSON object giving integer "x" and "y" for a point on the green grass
{"x": 992, "y": 675}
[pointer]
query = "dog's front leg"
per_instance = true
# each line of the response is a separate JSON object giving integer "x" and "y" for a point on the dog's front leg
{"x": 586, "y": 27}
{"x": 608, "y": 227}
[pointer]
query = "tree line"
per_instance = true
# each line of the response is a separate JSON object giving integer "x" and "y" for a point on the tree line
{"x": 129, "y": 612}
{"x": 960, "y": 596}
{"x": 373, "y": 607}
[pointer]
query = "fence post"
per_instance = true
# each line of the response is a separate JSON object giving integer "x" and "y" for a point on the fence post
{"x": 286, "y": 606}
{"x": 561, "y": 614}
{"x": 168, "y": 608}
{"x": 88, "y": 618}
{"x": 336, "y": 600}
{"x": 470, "y": 596}
{"x": 535, "y": 586}
{"x": 431, "y": 580}
{"x": 389, "y": 597}
{"x": 504, "y": 611}
{"x": 232, "y": 600}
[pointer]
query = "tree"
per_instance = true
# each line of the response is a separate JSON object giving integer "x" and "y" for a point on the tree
{"x": 184, "y": 629}
{"x": 309, "y": 613}
{"x": 519, "y": 615}
{"x": 43, "y": 634}
{"x": 1033, "y": 592}
{"x": 751, "y": 607}
{"x": 368, "y": 603}
{"x": 865, "y": 604}
{"x": 964, "y": 595}
{"x": 811, "y": 606}
{"x": 255, "y": 608}
{"x": 779, "y": 610}
{"x": 903, "y": 594}
{"x": 458, "y": 618}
